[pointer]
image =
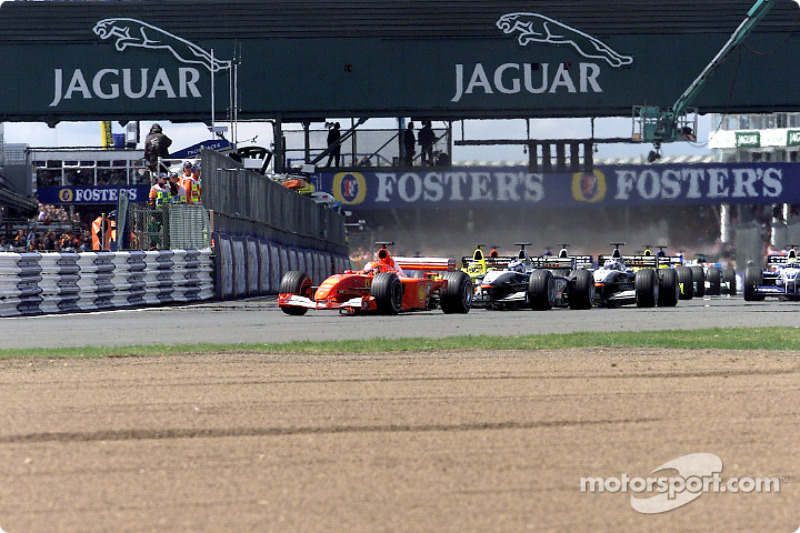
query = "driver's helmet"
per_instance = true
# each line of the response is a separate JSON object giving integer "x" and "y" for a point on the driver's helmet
{"x": 612, "y": 264}
{"x": 372, "y": 266}
{"x": 516, "y": 266}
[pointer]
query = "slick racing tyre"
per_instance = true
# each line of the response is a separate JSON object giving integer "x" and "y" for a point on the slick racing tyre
{"x": 581, "y": 290}
{"x": 457, "y": 297}
{"x": 646, "y": 285}
{"x": 752, "y": 279}
{"x": 699, "y": 279}
{"x": 685, "y": 282}
{"x": 541, "y": 290}
{"x": 387, "y": 289}
{"x": 669, "y": 292}
{"x": 729, "y": 277}
{"x": 295, "y": 282}
{"x": 714, "y": 281}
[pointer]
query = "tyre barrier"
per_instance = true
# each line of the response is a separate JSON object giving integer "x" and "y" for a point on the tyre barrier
{"x": 34, "y": 284}
{"x": 247, "y": 266}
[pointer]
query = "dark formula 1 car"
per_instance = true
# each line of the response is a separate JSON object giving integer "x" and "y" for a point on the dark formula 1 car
{"x": 386, "y": 286}
{"x": 779, "y": 280}
{"x": 537, "y": 283}
{"x": 634, "y": 279}
{"x": 690, "y": 282}
{"x": 717, "y": 280}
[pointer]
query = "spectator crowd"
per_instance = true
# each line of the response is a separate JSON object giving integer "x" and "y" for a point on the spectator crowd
{"x": 53, "y": 230}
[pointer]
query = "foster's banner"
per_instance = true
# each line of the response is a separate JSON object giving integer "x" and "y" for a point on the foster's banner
{"x": 623, "y": 185}
{"x": 91, "y": 195}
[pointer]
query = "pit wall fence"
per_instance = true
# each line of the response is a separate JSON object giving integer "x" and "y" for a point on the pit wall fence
{"x": 34, "y": 284}
{"x": 260, "y": 230}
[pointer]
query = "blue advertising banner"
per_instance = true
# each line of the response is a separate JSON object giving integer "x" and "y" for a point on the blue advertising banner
{"x": 91, "y": 195}
{"x": 622, "y": 185}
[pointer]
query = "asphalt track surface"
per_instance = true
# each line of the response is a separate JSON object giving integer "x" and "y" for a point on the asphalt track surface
{"x": 260, "y": 321}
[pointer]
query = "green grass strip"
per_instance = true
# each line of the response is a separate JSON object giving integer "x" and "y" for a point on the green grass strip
{"x": 773, "y": 338}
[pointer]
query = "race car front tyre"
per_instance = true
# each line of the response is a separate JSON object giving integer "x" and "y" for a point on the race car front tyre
{"x": 699, "y": 279}
{"x": 685, "y": 281}
{"x": 541, "y": 290}
{"x": 387, "y": 290}
{"x": 714, "y": 281}
{"x": 729, "y": 277}
{"x": 581, "y": 290}
{"x": 295, "y": 282}
{"x": 646, "y": 285}
{"x": 457, "y": 297}
{"x": 752, "y": 279}
{"x": 669, "y": 292}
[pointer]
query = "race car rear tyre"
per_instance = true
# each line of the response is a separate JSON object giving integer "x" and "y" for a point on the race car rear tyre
{"x": 670, "y": 291}
{"x": 729, "y": 277}
{"x": 457, "y": 297}
{"x": 646, "y": 285}
{"x": 699, "y": 279}
{"x": 685, "y": 282}
{"x": 714, "y": 281}
{"x": 753, "y": 277}
{"x": 387, "y": 290}
{"x": 295, "y": 282}
{"x": 541, "y": 290}
{"x": 581, "y": 290}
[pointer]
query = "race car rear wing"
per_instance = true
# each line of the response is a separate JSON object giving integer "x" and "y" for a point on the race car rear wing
{"x": 632, "y": 261}
{"x": 426, "y": 264}
{"x": 563, "y": 263}
{"x": 492, "y": 263}
{"x": 780, "y": 259}
{"x": 553, "y": 262}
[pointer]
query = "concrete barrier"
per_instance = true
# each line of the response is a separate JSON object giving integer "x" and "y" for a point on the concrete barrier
{"x": 254, "y": 267}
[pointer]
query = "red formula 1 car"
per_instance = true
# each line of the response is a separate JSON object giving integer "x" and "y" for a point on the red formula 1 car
{"x": 385, "y": 286}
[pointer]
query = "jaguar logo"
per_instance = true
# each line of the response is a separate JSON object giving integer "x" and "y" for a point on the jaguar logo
{"x": 536, "y": 28}
{"x": 135, "y": 33}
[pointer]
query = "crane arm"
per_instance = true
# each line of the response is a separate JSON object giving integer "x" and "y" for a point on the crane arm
{"x": 754, "y": 16}
{"x": 656, "y": 125}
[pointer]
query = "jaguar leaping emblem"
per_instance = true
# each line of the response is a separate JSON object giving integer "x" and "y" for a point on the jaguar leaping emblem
{"x": 536, "y": 28}
{"x": 135, "y": 33}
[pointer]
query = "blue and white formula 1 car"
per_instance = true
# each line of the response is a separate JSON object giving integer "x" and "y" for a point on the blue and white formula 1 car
{"x": 634, "y": 279}
{"x": 779, "y": 280}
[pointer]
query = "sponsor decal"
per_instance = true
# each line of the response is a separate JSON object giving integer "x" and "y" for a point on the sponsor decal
{"x": 693, "y": 183}
{"x": 534, "y": 77}
{"x": 536, "y": 28}
{"x": 139, "y": 34}
{"x": 434, "y": 187}
{"x": 350, "y": 188}
{"x": 135, "y": 84}
{"x": 748, "y": 139}
{"x": 793, "y": 138}
{"x": 589, "y": 186}
{"x": 90, "y": 195}
{"x": 65, "y": 195}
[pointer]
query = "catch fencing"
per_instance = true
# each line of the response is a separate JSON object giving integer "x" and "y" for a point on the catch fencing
{"x": 169, "y": 227}
{"x": 34, "y": 283}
